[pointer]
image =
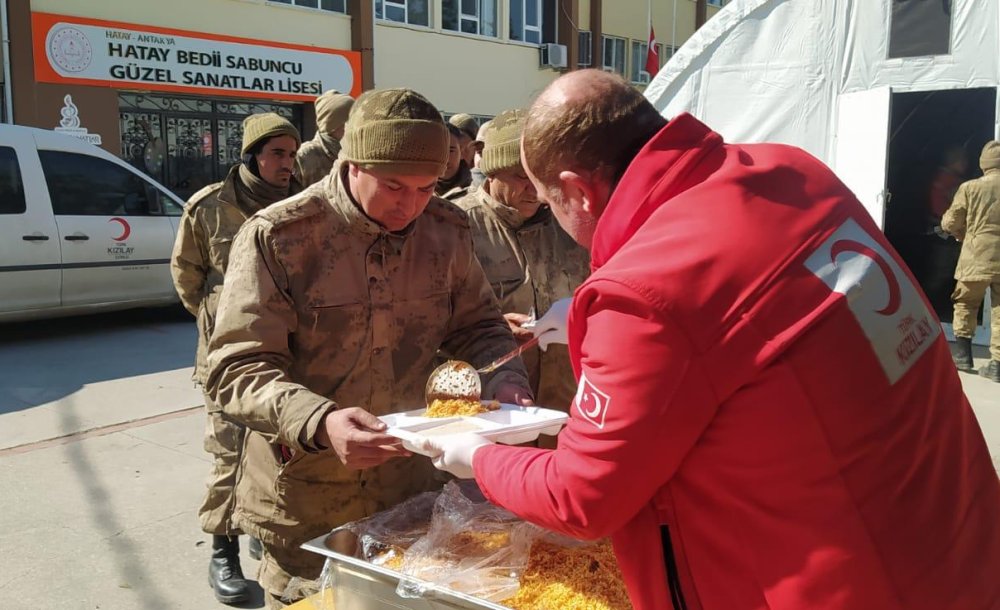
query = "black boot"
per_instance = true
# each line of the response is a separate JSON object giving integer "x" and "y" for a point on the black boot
{"x": 224, "y": 573}
{"x": 991, "y": 371}
{"x": 255, "y": 548}
{"x": 961, "y": 353}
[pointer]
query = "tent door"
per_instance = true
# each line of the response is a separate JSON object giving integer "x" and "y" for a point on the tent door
{"x": 861, "y": 146}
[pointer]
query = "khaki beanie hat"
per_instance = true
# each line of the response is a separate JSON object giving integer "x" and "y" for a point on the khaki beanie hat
{"x": 990, "y": 159}
{"x": 466, "y": 123}
{"x": 332, "y": 109}
{"x": 257, "y": 127}
{"x": 397, "y": 131}
{"x": 502, "y": 142}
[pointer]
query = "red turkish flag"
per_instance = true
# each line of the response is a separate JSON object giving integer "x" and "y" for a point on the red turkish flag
{"x": 652, "y": 57}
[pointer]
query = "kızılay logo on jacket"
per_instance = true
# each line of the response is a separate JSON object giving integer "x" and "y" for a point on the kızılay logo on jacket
{"x": 887, "y": 306}
{"x": 121, "y": 250}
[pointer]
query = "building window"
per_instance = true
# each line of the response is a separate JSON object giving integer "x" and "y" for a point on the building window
{"x": 614, "y": 54}
{"x": 716, "y": 2}
{"x": 585, "y": 56}
{"x": 470, "y": 16}
{"x": 920, "y": 28}
{"x": 11, "y": 187}
{"x": 666, "y": 52}
{"x": 414, "y": 12}
{"x": 638, "y": 72}
{"x": 526, "y": 21}
{"x": 335, "y": 6}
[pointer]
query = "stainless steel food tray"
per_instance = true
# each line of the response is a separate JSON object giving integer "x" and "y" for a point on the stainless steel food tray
{"x": 360, "y": 585}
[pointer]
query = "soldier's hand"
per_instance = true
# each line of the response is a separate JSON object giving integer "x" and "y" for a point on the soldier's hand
{"x": 516, "y": 321}
{"x": 513, "y": 394}
{"x": 359, "y": 438}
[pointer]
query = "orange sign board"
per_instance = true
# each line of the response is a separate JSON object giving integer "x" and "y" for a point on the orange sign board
{"x": 80, "y": 51}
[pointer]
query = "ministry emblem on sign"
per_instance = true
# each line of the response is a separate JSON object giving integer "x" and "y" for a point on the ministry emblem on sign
{"x": 69, "y": 48}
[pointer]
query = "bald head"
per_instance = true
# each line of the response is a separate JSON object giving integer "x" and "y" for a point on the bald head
{"x": 587, "y": 121}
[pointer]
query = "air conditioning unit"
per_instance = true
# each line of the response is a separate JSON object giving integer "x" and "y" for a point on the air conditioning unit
{"x": 554, "y": 55}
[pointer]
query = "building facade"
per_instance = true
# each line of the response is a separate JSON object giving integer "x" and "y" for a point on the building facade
{"x": 167, "y": 85}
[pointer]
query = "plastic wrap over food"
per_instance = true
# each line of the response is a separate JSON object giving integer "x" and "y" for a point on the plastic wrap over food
{"x": 471, "y": 546}
{"x": 457, "y": 540}
{"x": 383, "y": 537}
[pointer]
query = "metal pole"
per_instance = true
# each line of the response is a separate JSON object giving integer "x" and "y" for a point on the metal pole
{"x": 673, "y": 30}
{"x": 8, "y": 96}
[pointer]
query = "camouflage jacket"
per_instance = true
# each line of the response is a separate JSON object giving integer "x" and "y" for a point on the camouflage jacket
{"x": 974, "y": 218}
{"x": 324, "y": 308}
{"x": 530, "y": 263}
{"x": 208, "y": 225}
{"x": 315, "y": 158}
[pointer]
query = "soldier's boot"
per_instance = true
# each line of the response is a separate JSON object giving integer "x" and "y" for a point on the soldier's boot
{"x": 255, "y": 548}
{"x": 961, "y": 353}
{"x": 224, "y": 573}
{"x": 991, "y": 371}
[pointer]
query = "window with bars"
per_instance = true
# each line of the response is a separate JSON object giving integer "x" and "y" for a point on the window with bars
{"x": 470, "y": 16}
{"x": 526, "y": 21}
{"x": 334, "y": 6}
{"x": 413, "y": 12}
{"x": 637, "y": 72}
{"x": 614, "y": 54}
{"x": 585, "y": 56}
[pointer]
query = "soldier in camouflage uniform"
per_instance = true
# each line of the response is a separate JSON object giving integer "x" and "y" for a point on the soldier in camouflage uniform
{"x": 335, "y": 304}
{"x": 316, "y": 156}
{"x": 200, "y": 257}
{"x": 457, "y": 176}
{"x": 469, "y": 142}
{"x": 530, "y": 261}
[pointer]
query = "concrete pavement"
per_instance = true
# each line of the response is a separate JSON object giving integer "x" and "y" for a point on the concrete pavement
{"x": 100, "y": 516}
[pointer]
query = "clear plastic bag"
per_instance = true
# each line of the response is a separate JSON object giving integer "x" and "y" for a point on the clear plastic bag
{"x": 457, "y": 540}
{"x": 472, "y": 547}
{"x": 385, "y": 536}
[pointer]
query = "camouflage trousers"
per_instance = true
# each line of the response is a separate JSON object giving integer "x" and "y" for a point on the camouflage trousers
{"x": 224, "y": 440}
{"x": 967, "y": 298}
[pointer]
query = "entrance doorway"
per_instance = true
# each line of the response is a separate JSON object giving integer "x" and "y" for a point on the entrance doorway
{"x": 935, "y": 138}
{"x": 188, "y": 143}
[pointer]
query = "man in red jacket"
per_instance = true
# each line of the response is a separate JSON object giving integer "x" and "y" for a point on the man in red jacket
{"x": 767, "y": 415}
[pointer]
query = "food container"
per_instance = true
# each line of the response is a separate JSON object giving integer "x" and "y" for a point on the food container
{"x": 510, "y": 425}
{"x": 359, "y": 585}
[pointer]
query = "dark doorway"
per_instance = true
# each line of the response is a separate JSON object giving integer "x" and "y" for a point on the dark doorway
{"x": 188, "y": 143}
{"x": 934, "y": 142}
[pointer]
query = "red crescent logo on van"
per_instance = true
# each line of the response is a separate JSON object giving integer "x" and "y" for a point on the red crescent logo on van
{"x": 849, "y": 245}
{"x": 126, "y": 230}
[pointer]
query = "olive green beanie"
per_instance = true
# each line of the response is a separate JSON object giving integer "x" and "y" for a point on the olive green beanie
{"x": 396, "y": 131}
{"x": 990, "y": 159}
{"x": 466, "y": 123}
{"x": 257, "y": 127}
{"x": 502, "y": 142}
{"x": 332, "y": 109}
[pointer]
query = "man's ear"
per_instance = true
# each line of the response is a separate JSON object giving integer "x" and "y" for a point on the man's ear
{"x": 584, "y": 191}
{"x": 353, "y": 170}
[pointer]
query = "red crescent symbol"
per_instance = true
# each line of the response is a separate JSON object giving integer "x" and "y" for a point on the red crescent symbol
{"x": 126, "y": 230}
{"x": 895, "y": 297}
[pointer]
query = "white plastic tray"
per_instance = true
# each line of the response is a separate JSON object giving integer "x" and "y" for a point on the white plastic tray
{"x": 510, "y": 425}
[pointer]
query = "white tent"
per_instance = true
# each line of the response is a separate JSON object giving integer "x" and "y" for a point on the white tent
{"x": 877, "y": 89}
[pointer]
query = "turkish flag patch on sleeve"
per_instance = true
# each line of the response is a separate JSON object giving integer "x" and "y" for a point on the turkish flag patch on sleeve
{"x": 591, "y": 403}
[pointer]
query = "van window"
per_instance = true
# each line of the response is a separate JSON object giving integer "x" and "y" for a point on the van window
{"x": 11, "y": 188}
{"x": 82, "y": 185}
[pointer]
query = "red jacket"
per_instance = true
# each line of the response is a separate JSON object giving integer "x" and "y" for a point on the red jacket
{"x": 759, "y": 372}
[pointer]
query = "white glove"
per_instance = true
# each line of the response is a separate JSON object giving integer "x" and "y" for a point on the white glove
{"x": 551, "y": 328}
{"x": 454, "y": 453}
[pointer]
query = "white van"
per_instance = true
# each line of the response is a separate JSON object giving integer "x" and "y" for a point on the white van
{"x": 80, "y": 230}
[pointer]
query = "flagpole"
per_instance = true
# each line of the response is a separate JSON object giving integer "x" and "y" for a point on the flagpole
{"x": 673, "y": 31}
